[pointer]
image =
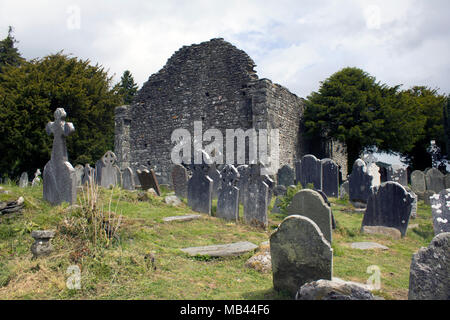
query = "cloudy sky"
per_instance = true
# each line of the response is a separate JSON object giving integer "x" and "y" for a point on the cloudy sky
{"x": 294, "y": 43}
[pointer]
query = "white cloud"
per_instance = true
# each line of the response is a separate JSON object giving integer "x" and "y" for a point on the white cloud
{"x": 296, "y": 44}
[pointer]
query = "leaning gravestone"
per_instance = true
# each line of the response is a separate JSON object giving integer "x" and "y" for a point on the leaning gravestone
{"x": 128, "y": 179}
{"x": 59, "y": 175}
{"x": 418, "y": 182}
{"x": 310, "y": 171}
{"x": 79, "y": 171}
{"x": 434, "y": 180}
{"x": 23, "y": 181}
{"x": 429, "y": 277}
{"x": 330, "y": 178}
{"x": 200, "y": 187}
{"x": 214, "y": 174}
{"x": 360, "y": 182}
{"x": 389, "y": 205}
{"x": 300, "y": 254}
{"x": 285, "y": 176}
{"x": 228, "y": 200}
{"x": 309, "y": 203}
{"x": 148, "y": 180}
{"x": 440, "y": 209}
{"x": 397, "y": 173}
{"x": 180, "y": 178}
{"x": 108, "y": 172}
{"x": 256, "y": 202}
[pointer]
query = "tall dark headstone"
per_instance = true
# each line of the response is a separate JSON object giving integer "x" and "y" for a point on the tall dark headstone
{"x": 200, "y": 189}
{"x": 389, "y": 205}
{"x": 330, "y": 178}
{"x": 59, "y": 176}
{"x": 228, "y": 199}
{"x": 360, "y": 183}
{"x": 256, "y": 202}
{"x": 244, "y": 171}
{"x": 440, "y": 209}
{"x": 180, "y": 179}
{"x": 285, "y": 176}
{"x": 214, "y": 174}
{"x": 310, "y": 171}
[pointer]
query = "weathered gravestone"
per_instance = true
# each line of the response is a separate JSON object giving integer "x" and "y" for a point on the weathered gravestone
{"x": 440, "y": 209}
{"x": 118, "y": 175}
{"x": 59, "y": 175}
{"x": 300, "y": 254}
{"x": 447, "y": 181}
{"x": 42, "y": 245}
{"x": 88, "y": 175}
{"x": 228, "y": 200}
{"x": 344, "y": 190}
{"x": 418, "y": 182}
{"x": 180, "y": 179}
{"x": 23, "y": 181}
{"x": 309, "y": 203}
{"x": 256, "y": 202}
{"x": 285, "y": 176}
{"x": 360, "y": 182}
{"x": 108, "y": 172}
{"x": 434, "y": 180}
{"x": 128, "y": 179}
{"x": 99, "y": 165}
{"x": 397, "y": 173}
{"x": 148, "y": 180}
{"x": 244, "y": 171}
{"x": 374, "y": 171}
{"x": 330, "y": 178}
{"x": 79, "y": 172}
{"x": 37, "y": 178}
{"x": 389, "y": 205}
{"x": 309, "y": 170}
{"x": 429, "y": 277}
{"x": 214, "y": 174}
{"x": 200, "y": 188}
{"x": 279, "y": 190}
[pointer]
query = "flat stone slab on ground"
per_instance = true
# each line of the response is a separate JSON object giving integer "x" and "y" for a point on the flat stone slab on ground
{"x": 187, "y": 217}
{"x": 367, "y": 246}
{"x": 222, "y": 250}
{"x": 387, "y": 231}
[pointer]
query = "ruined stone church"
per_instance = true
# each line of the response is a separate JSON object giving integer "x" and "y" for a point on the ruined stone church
{"x": 213, "y": 82}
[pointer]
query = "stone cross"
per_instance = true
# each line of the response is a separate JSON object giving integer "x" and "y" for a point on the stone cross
{"x": 59, "y": 175}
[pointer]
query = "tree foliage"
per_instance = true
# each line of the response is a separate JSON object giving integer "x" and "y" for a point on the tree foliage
{"x": 127, "y": 88}
{"x": 352, "y": 107}
{"x": 29, "y": 96}
{"x": 9, "y": 54}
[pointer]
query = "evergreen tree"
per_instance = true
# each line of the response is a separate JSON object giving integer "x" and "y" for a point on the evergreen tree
{"x": 29, "y": 95}
{"x": 127, "y": 88}
{"x": 9, "y": 54}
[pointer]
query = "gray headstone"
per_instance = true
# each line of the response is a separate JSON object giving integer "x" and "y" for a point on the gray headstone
{"x": 360, "y": 182}
{"x": 398, "y": 174}
{"x": 118, "y": 175}
{"x": 79, "y": 172}
{"x": 148, "y": 180}
{"x": 447, "y": 181}
{"x": 99, "y": 165}
{"x": 108, "y": 171}
{"x": 256, "y": 202}
{"x": 300, "y": 254}
{"x": 37, "y": 178}
{"x": 310, "y": 171}
{"x": 344, "y": 189}
{"x": 390, "y": 206}
{"x": 440, "y": 209}
{"x": 214, "y": 174}
{"x": 280, "y": 190}
{"x": 23, "y": 181}
{"x": 128, "y": 179}
{"x": 285, "y": 176}
{"x": 200, "y": 189}
{"x": 309, "y": 203}
{"x": 330, "y": 178}
{"x": 180, "y": 179}
{"x": 434, "y": 180}
{"x": 418, "y": 181}
{"x": 88, "y": 173}
{"x": 228, "y": 200}
{"x": 244, "y": 171}
{"x": 59, "y": 175}
{"x": 429, "y": 277}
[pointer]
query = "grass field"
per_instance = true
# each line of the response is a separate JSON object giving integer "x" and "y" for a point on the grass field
{"x": 124, "y": 269}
